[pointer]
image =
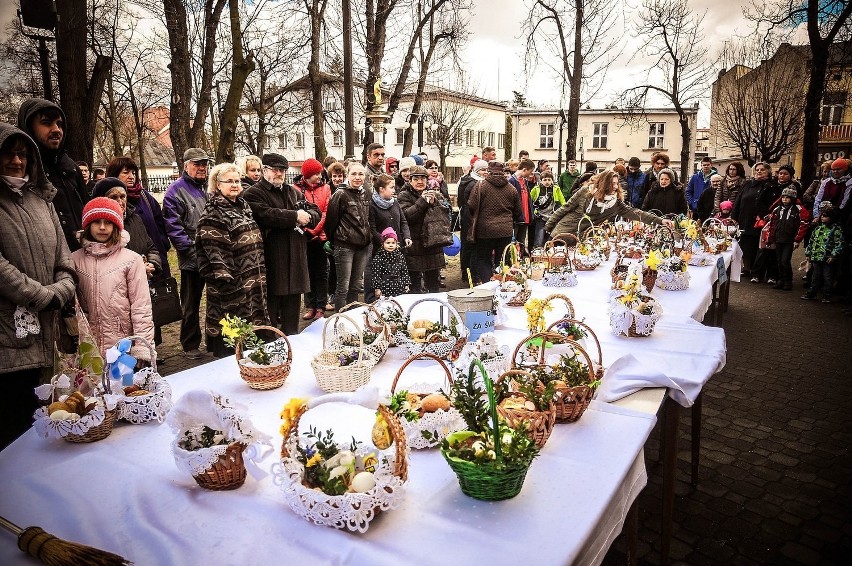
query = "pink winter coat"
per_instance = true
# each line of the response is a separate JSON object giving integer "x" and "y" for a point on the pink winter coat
{"x": 113, "y": 293}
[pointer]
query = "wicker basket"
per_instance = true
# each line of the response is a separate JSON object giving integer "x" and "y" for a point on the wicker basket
{"x": 514, "y": 298}
{"x": 448, "y": 349}
{"x": 555, "y": 252}
{"x": 649, "y": 278}
{"x": 619, "y": 270}
{"x": 598, "y": 238}
{"x": 489, "y": 482}
{"x": 380, "y": 344}
{"x": 330, "y": 375}
{"x": 153, "y": 405}
{"x": 227, "y": 473}
{"x": 265, "y": 377}
{"x": 318, "y": 507}
{"x": 586, "y": 262}
{"x": 618, "y": 314}
{"x": 598, "y": 365}
{"x": 570, "y": 401}
{"x": 384, "y": 307}
{"x": 540, "y": 423}
{"x": 97, "y": 432}
{"x": 436, "y": 425}
{"x": 89, "y": 428}
{"x": 673, "y": 280}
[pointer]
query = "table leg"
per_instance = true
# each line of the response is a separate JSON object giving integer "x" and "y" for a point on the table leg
{"x": 632, "y": 527}
{"x": 726, "y": 291}
{"x": 670, "y": 434}
{"x": 696, "y": 436}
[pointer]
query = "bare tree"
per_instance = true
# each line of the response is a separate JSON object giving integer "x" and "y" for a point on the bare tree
{"x": 757, "y": 113}
{"x": 186, "y": 131}
{"x": 241, "y": 66}
{"x": 377, "y": 14}
{"x": 679, "y": 71}
{"x": 577, "y": 31}
{"x": 827, "y": 22}
{"x": 450, "y": 116}
{"x": 79, "y": 89}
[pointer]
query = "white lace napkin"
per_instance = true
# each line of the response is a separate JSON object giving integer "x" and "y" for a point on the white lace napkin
{"x": 26, "y": 322}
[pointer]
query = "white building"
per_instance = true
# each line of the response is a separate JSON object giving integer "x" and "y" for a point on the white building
{"x": 455, "y": 123}
{"x": 603, "y": 135}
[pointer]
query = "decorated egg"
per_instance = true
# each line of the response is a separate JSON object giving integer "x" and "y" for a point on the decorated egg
{"x": 363, "y": 481}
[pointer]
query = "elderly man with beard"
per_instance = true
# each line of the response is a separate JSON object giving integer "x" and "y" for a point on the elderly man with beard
{"x": 182, "y": 207}
{"x": 45, "y": 122}
{"x": 283, "y": 214}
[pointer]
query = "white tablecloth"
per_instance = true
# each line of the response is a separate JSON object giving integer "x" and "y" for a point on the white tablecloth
{"x": 125, "y": 493}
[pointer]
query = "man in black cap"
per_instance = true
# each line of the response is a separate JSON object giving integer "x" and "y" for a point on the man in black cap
{"x": 182, "y": 207}
{"x": 44, "y": 121}
{"x": 282, "y": 212}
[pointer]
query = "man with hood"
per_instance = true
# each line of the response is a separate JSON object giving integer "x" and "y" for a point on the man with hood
{"x": 36, "y": 278}
{"x": 45, "y": 122}
{"x": 182, "y": 207}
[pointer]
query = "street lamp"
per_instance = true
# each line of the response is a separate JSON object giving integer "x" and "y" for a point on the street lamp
{"x": 40, "y": 15}
{"x": 422, "y": 123}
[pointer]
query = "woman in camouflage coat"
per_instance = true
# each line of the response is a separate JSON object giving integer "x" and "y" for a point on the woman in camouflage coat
{"x": 230, "y": 257}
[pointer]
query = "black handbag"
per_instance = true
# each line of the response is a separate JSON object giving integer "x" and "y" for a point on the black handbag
{"x": 165, "y": 301}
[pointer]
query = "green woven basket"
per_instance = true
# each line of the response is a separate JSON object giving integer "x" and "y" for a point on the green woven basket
{"x": 491, "y": 482}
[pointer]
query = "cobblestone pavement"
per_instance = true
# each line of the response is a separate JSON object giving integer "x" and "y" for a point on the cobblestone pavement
{"x": 775, "y": 477}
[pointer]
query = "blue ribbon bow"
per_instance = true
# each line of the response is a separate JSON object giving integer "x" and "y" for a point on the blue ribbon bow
{"x": 121, "y": 362}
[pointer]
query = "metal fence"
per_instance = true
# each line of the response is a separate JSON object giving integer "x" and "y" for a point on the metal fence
{"x": 159, "y": 183}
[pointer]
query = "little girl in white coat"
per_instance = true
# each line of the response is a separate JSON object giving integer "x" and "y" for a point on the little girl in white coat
{"x": 113, "y": 286}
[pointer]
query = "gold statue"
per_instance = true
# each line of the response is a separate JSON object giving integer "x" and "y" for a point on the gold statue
{"x": 377, "y": 90}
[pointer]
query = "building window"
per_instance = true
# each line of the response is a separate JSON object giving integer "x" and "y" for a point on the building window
{"x": 337, "y": 138}
{"x": 269, "y": 142}
{"x": 600, "y": 133}
{"x": 832, "y": 108}
{"x": 501, "y": 140}
{"x": 545, "y": 140}
{"x": 480, "y": 138}
{"x": 468, "y": 138}
{"x": 300, "y": 139}
{"x": 491, "y": 139}
{"x": 400, "y": 136}
{"x": 282, "y": 141}
{"x": 330, "y": 104}
{"x": 457, "y": 137}
{"x": 656, "y": 132}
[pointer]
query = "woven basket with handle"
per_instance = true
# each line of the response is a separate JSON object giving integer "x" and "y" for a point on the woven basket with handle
{"x": 265, "y": 377}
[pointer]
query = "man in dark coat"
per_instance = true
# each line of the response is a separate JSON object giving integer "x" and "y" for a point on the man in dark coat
{"x": 281, "y": 212}
{"x": 44, "y": 121}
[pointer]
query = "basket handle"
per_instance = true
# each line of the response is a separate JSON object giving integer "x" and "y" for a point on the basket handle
{"x": 360, "y": 334}
{"x": 568, "y": 303}
{"x": 451, "y": 308}
{"x": 105, "y": 374}
{"x": 492, "y": 404}
{"x": 370, "y": 308}
{"x": 556, "y": 338}
{"x": 587, "y": 328}
{"x": 238, "y": 350}
{"x": 514, "y": 271}
{"x": 418, "y": 356}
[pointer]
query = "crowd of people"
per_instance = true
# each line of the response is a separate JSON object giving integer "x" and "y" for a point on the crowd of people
{"x": 274, "y": 252}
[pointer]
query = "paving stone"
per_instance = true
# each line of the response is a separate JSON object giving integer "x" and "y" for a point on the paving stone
{"x": 799, "y": 553}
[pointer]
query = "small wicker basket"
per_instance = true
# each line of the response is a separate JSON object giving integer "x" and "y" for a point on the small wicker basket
{"x": 384, "y": 308}
{"x": 448, "y": 348}
{"x": 153, "y": 405}
{"x": 97, "y": 432}
{"x": 555, "y": 252}
{"x": 514, "y": 298}
{"x": 379, "y": 346}
{"x": 90, "y": 427}
{"x": 330, "y": 375}
{"x": 436, "y": 425}
{"x": 570, "y": 401}
{"x": 540, "y": 423}
{"x": 265, "y": 377}
{"x": 229, "y": 472}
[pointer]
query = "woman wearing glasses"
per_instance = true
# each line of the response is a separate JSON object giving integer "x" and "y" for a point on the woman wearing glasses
{"x": 750, "y": 207}
{"x": 230, "y": 256}
{"x": 731, "y": 185}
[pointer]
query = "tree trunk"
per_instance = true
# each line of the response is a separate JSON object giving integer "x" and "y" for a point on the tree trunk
{"x": 813, "y": 102}
{"x": 79, "y": 94}
{"x": 241, "y": 67}
{"x": 181, "y": 74}
{"x": 212, "y": 17}
{"x": 112, "y": 118}
{"x": 317, "y": 13}
{"x": 686, "y": 138}
{"x": 572, "y": 117}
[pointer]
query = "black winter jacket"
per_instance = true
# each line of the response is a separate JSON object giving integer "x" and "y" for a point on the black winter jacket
{"x": 347, "y": 220}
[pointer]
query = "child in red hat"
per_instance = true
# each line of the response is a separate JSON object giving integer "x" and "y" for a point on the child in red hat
{"x": 113, "y": 286}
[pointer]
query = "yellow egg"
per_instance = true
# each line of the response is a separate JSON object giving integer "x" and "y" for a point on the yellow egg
{"x": 363, "y": 481}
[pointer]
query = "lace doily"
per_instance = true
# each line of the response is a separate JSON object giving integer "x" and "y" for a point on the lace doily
{"x": 196, "y": 462}
{"x": 49, "y": 428}
{"x": 351, "y": 511}
{"x": 702, "y": 259}
{"x": 621, "y": 318}
{"x": 566, "y": 279}
{"x": 436, "y": 425}
{"x": 673, "y": 280}
{"x": 26, "y": 322}
{"x": 439, "y": 349}
{"x": 153, "y": 406}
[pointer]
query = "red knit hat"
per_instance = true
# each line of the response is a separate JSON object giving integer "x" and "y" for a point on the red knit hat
{"x": 102, "y": 208}
{"x": 841, "y": 164}
{"x": 311, "y": 167}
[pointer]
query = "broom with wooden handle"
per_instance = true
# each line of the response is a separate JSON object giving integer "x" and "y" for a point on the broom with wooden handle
{"x": 54, "y": 551}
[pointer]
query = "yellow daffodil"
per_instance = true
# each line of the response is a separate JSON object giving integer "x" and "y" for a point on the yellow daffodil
{"x": 654, "y": 259}
{"x": 314, "y": 460}
{"x": 289, "y": 412}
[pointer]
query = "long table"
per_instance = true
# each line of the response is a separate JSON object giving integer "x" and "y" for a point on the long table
{"x": 125, "y": 493}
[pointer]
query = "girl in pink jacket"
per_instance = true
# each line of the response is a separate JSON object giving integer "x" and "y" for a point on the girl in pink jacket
{"x": 113, "y": 287}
